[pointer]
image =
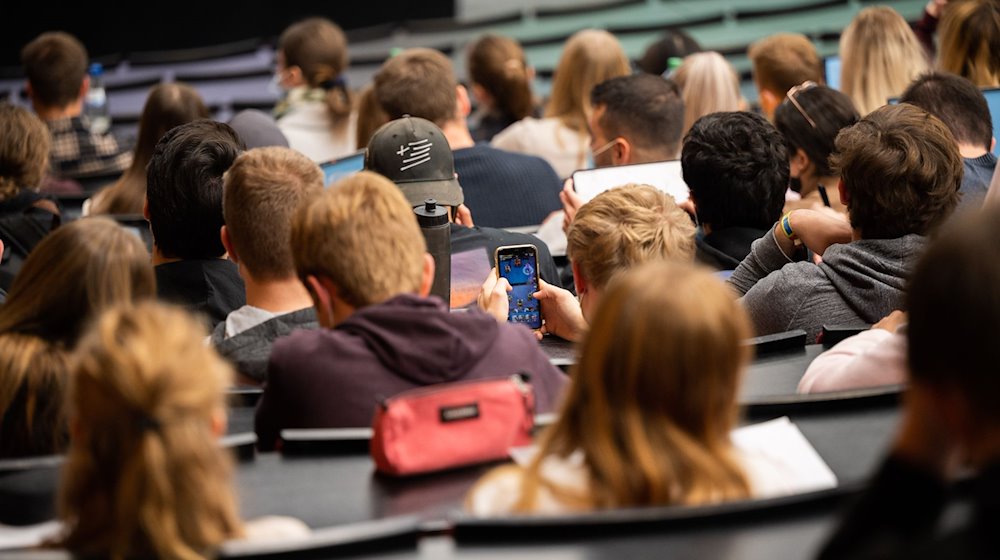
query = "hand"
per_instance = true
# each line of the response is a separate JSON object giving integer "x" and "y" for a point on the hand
{"x": 561, "y": 310}
{"x": 817, "y": 231}
{"x": 463, "y": 216}
{"x": 892, "y": 321}
{"x": 936, "y": 7}
{"x": 571, "y": 203}
{"x": 493, "y": 296}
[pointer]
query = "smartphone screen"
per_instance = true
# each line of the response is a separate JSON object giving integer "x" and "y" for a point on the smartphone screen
{"x": 519, "y": 265}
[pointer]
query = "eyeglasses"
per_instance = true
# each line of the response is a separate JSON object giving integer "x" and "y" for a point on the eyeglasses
{"x": 791, "y": 97}
{"x": 604, "y": 148}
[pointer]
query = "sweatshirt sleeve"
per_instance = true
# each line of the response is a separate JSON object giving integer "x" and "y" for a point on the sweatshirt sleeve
{"x": 765, "y": 257}
{"x": 267, "y": 421}
{"x": 868, "y": 359}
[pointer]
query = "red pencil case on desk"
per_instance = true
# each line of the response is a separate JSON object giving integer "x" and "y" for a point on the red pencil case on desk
{"x": 452, "y": 425}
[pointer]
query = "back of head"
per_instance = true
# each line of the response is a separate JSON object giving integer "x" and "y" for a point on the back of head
{"x": 646, "y": 110}
{"x": 167, "y": 106}
{"x": 675, "y": 44}
{"x": 901, "y": 168}
{"x": 184, "y": 188}
{"x": 880, "y": 56}
{"x": 319, "y": 48}
{"x": 24, "y": 150}
{"x": 736, "y": 166}
{"x": 417, "y": 82}
{"x": 954, "y": 313}
{"x": 709, "y": 84}
{"x": 828, "y": 109}
{"x": 653, "y": 396}
{"x": 970, "y": 41}
{"x": 627, "y": 226}
{"x": 957, "y": 102}
{"x": 590, "y": 57}
{"x": 784, "y": 60}
{"x": 73, "y": 274}
{"x": 370, "y": 115}
{"x": 145, "y": 476}
{"x": 55, "y": 63}
{"x": 261, "y": 193}
{"x": 362, "y": 235}
{"x": 498, "y": 65}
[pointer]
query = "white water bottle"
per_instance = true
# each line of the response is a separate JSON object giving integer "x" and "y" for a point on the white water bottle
{"x": 96, "y": 102}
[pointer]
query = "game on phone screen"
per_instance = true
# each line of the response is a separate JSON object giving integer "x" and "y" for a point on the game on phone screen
{"x": 520, "y": 267}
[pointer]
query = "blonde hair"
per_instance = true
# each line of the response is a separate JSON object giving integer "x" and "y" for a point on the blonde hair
{"x": 145, "y": 476}
{"x": 653, "y": 399}
{"x": 970, "y": 41}
{"x": 624, "y": 227}
{"x": 783, "y": 61}
{"x": 362, "y": 235}
{"x": 880, "y": 56}
{"x": 709, "y": 84}
{"x": 590, "y": 57}
{"x": 261, "y": 192}
{"x": 319, "y": 48}
{"x": 31, "y": 396}
{"x": 24, "y": 150}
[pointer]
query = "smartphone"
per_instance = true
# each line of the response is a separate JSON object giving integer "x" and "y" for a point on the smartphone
{"x": 662, "y": 175}
{"x": 519, "y": 265}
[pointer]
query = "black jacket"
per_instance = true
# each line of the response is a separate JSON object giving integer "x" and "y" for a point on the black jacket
{"x": 209, "y": 286}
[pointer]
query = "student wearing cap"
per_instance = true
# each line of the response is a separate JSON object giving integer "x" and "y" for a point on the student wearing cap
{"x": 358, "y": 249}
{"x": 414, "y": 153}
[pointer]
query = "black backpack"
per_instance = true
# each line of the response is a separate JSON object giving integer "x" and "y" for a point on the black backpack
{"x": 24, "y": 221}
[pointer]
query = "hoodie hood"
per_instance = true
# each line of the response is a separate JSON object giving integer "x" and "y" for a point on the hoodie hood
{"x": 869, "y": 271}
{"x": 420, "y": 340}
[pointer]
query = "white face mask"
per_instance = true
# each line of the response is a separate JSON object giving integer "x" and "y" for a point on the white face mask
{"x": 274, "y": 86}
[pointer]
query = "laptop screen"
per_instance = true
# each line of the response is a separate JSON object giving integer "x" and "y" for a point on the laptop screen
{"x": 337, "y": 169}
{"x": 832, "y": 64}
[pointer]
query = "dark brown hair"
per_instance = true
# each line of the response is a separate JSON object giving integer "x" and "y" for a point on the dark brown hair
{"x": 319, "y": 48}
{"x": 498, "y": 65}
{"x": 24, "y": 150}
{"x": 56, "y": 63}
{"x": 902, "y": 171}
{"x": 418, "y": 82}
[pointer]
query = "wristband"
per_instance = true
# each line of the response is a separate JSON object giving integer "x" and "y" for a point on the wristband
{"x": 786, "y": 227}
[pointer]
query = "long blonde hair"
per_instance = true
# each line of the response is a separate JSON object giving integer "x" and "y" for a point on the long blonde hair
{"x": 590, "y": 57}
{"x": 880, "y": 56}
{"x": 709, "y": 84}
{"x": 145, "y": 476}
{"x": 654, "y": 396}
{"x": 970, "y": 41}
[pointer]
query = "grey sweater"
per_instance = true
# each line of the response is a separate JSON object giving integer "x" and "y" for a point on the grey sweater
{"x": 249, "y": 350}
{"x": 857, "y": 283}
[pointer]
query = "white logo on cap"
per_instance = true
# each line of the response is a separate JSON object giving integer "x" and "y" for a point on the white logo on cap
{"x": 419, "y": 152}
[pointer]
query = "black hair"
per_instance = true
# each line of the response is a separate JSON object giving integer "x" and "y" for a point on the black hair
{"x": 829, "y": 109}
{"x": 956, "y": 101}
{"x": 646, "y": 109}
{"x": 675, "y": 43}
{"x": 736, "y": 165}
{"x": 184, "y": 188}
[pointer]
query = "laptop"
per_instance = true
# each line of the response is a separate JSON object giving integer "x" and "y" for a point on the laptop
{"x": 336, "y": 169}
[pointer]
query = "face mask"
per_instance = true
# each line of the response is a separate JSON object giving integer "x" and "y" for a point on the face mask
{"x": 795, "y": 184}
{"x": 274, "y": 87}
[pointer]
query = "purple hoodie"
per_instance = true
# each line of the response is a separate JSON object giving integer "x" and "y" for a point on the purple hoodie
{"x": 332, "y": 378}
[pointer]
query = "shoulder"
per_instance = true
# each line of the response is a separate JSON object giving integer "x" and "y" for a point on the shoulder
{"x": 303, "y": 346}
{"x": 497, "y": 492}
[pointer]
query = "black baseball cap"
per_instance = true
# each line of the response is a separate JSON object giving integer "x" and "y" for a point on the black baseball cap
{"x": 413, "y": 153}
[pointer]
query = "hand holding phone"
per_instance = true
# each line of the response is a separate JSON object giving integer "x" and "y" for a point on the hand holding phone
{"x": 518, "y": 264}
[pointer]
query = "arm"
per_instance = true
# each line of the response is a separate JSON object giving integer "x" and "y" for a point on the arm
{"x": 267, "y": 422}
{"x": 869, "y": 359}
{"x": 765, "y": 257}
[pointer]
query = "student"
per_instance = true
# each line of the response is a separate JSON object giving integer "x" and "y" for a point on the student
{"x": 359, "y": 250}
{"x": 879, "y": 56}
{"x": 809, "y": 120}
{"x": 261, "y": 192}
{"x": 56, "y": 66}
{"x": 781, "y": 62}
{"x": 75, "y": 273}
{"x": 649, "y": 409}
{"x": 501, "y": 84}
{"x": 167, "y": 106}
{"x": 618, "y": 230}
{"x": 25, "y": 216}
{"x": 970, "y": 41}
{"x": 900, "y": 174}
{"x": 316, "y": 113}
{"x": 371, "y": 116}
{"x": 963, "y": 109}
{"x": 709, "y": 84}
{"x": 502, "y": 189}
{"x": 661, "y": 56}
{"x": 184, "y": 209}
{"x": 590, "y": 57}
{"x": 145, "y": 476}
{"x": 736, "y": 166}
{"x": 949, "y": 420}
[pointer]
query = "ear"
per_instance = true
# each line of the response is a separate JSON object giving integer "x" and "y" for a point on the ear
{"x": 84, "y": 87}
{"x": 579, "y": 280}
{"x": 768, "y": 103}
{"x": 798, "y": 162}
{"x": 27, "y": 90}
{"x": 621, "y": 152}
{"x": 145, "y": 208}
{"x": 845, "y": 196}
{"x": 228, "y": 244}
{"x": 218, "y": 423}
{"x": 427, "y": 276}
{"x": 322, "y": 300}
{"x": 993, "y": 144}
{"x": 462, "y": 104}
{"x": 293, "y": 77}
{"x": 483, "y": 96}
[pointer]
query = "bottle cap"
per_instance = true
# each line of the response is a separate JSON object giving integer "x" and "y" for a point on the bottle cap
{"x": 430, "y": 214}
{"x": 96, "y": 69}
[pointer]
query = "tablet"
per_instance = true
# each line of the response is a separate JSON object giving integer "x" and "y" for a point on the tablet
{"x": 662, "y": 175}
{"x": 336, "y": 169}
